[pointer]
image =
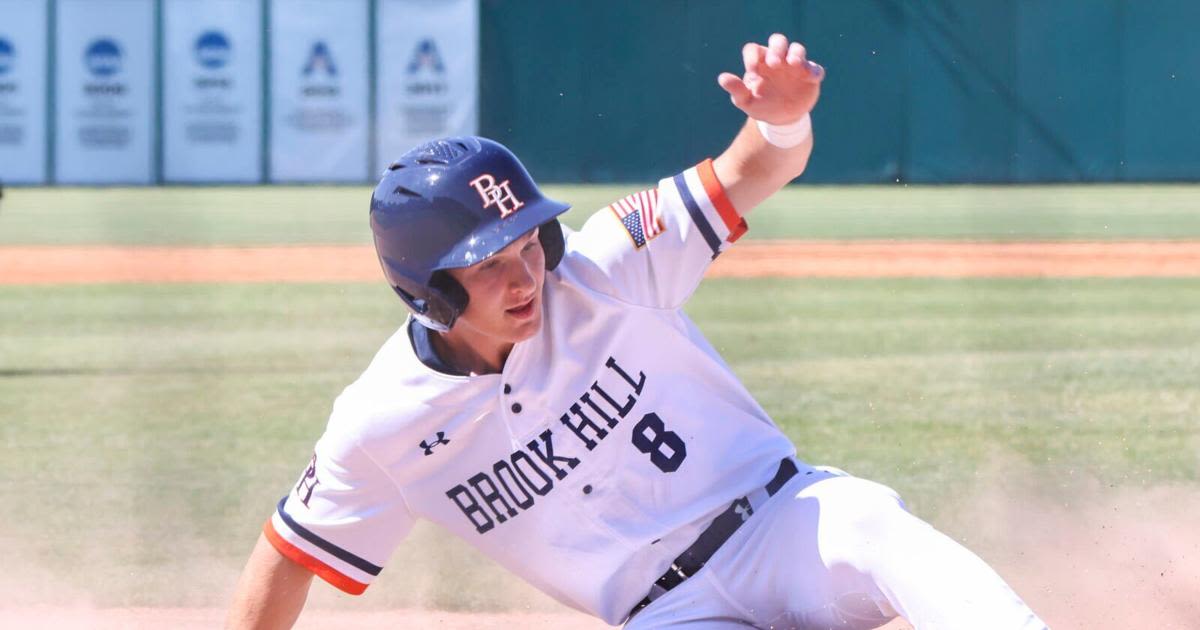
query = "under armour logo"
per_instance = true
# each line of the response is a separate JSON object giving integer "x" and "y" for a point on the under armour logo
{"x": 493, "y": 194}
{"x": 742, "y": 508}
{"x": 441, "y": 439}
{"x": 308, "y": 482}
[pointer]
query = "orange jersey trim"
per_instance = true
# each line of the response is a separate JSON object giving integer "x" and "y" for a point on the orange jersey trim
{"x": 716, "y": 194}
{"x": 322, "y": 570}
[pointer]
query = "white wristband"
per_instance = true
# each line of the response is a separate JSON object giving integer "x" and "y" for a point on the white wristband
{"x": 786, "y": 136}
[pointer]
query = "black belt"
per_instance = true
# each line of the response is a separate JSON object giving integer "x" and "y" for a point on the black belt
{"x": 694, "y": 557}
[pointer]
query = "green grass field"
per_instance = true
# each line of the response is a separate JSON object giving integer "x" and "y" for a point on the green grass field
{"x": 146, "y": 431}
{"x": 229, "y": 216}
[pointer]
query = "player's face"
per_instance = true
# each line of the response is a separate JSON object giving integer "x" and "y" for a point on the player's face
{"x": 505, "y": 293}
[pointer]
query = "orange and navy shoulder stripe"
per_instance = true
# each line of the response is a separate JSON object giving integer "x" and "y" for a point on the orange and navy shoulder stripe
{"x": 317, "y": 566}
{"x": 714, "y": 194}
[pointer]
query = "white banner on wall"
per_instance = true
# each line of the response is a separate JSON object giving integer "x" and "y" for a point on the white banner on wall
{"x": 23, "y": 91}
{"x": 104, "y": 127}
{"x": 319, "y": 90}
{"x": 212, "y": 127}
{"x": 428, "y": 59}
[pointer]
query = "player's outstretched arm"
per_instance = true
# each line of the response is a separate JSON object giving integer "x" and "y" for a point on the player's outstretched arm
{"x": 271, "y": 592}
{"x": 780, "y": 87}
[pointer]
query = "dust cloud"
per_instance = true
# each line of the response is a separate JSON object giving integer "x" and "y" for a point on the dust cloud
{"x": 1084, "y": 555}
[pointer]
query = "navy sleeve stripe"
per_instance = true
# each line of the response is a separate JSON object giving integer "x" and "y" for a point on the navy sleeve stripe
{"x": 328, "y": 547}
{"x": 697, "y": 214}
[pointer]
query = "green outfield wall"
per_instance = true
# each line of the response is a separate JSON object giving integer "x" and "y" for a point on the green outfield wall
{"x": 917, "y": 91}
{"x": 330, "y": 91}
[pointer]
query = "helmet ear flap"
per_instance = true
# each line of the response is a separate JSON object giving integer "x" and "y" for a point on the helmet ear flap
{"x": 551, "y": 236}
{"x": 449, "y": 299}
{"x": 443, "y": 300}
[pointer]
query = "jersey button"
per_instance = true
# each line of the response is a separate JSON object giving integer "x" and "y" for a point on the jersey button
{"x": 587, "y": 489}
{"x": 516, "y": 408}
{"x": 507, "y": 388}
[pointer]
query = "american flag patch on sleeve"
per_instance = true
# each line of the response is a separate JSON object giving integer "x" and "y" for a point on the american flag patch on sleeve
{"x": 639, "y": 214}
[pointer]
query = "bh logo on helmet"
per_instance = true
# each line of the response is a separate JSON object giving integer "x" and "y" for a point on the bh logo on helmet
{"x": 493, "y": 194}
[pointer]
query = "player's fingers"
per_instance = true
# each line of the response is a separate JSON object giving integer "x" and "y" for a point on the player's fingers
{"x": 816, "y": 71}
{"x": 752, "y": 56}
{"x": 754, "y": 83}
{"x": 777, "y": 48}
{"x": 738, "y": 92}
{"x": 796, "y": 54}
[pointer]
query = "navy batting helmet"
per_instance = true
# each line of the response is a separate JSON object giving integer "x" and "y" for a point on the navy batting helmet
{"x": 452, "y": 203}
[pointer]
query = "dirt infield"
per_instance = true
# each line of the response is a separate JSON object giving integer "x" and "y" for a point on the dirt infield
{"x": 794, "y": 259}
{"x": 208, "y": 618}
{"x": 50, "y": 618}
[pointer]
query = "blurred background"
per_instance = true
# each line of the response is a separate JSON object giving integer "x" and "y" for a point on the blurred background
{"x": 984, "y": 292}
{"x": 153, "y": 91}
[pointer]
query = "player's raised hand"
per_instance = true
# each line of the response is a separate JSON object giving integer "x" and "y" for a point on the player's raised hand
{"x": 780, "y": 84}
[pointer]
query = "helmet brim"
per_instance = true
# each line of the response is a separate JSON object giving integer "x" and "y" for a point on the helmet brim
{"x": 494, "y": 236}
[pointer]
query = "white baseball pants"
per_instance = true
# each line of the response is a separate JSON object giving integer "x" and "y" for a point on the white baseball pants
{"x": 834, "y": 551}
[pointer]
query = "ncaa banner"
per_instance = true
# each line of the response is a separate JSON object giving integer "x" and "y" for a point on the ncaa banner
{"x": 212, "y": 103}
{"x": 319, "y": 88}
{"x": 104, "y": 128}
{"x": 23, "y": 91}
{"x": 428, "y": 56}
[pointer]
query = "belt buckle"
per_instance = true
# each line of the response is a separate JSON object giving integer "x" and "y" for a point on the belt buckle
{"x": 683, "y": 575}
{"x": 674, "y": 576}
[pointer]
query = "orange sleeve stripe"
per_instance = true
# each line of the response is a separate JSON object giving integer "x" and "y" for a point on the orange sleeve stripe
{"x": 322, "y": 570}
{"x": 716, "y": 194}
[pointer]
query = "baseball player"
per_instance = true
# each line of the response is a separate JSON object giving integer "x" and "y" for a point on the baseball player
{"x": 548, "y": 402}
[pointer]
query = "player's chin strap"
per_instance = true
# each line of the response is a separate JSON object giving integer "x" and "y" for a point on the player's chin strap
{"x": 429, "y": 323}
{"x": 710, "y": 540}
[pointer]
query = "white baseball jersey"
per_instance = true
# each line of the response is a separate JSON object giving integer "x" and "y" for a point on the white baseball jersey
{"x": 609, "y": 442}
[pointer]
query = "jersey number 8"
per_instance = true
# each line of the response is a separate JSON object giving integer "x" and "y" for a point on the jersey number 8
{"x": 650, "y": 435}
